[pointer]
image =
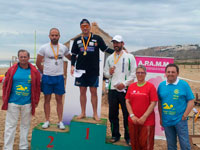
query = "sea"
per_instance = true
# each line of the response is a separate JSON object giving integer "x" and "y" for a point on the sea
{"x": 5, "y": 63}
{"x": 8, "y": 63}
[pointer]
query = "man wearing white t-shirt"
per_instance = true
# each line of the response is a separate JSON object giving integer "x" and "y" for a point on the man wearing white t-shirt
{"x": 51, "y": 54}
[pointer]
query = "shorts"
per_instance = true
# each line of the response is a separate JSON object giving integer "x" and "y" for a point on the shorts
{"x": 53, "y": 84}
{"x": 85, "y": 81}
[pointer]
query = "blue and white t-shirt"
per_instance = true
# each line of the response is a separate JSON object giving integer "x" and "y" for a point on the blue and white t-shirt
{"x": 174, "y": 99}
{"x": 21, "y": 87}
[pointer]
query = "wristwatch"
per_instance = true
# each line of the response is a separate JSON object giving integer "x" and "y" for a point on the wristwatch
{"x": 131, "y": 115}
{"x": 185, "y": 117}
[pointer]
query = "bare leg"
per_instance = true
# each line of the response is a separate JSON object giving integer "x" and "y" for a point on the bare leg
{"x": 93, "y": 91}
{"x": 47, "y": 99}
{"x": 59, "y": 106}
{"x": 83, "y": 100}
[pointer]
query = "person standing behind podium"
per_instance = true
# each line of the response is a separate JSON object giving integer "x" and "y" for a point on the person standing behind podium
{"x": 120, "y": 69}
{"x": 21, "y": 94}
{"x": 176, "y": 101}
{"x": 141, "y": 98}
{"x": 52, "y": 79}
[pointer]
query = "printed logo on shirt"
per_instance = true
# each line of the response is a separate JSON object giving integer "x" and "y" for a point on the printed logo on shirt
{"x": 176, "y": 91}
{"x": 176, "y": 96}
{"x": 137, "y": 93}
{"x": 29, "y": 79}
{"x": 80, "y": 45}
{"x": 79, "y": 41}
{"x": 169, "y": 109}
{"x": 23, "y": 91}
{"x": 166, "y": 106}
{"x": 91, "y": 43}
{"x": 89, "y": 49}
{"x": 21, "y": 88}
{"x": 93, "y": 40}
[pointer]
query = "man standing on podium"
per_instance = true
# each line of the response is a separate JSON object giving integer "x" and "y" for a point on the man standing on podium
{"x": 52, "y": 79}
{"x": 85, "y": 56}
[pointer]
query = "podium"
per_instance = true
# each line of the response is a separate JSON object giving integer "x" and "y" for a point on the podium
{"x": 85, "y": 134}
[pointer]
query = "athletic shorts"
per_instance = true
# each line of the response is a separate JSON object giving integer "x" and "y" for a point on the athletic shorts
{"x": 53, "y": 84}
{"x": 85, "y": 81}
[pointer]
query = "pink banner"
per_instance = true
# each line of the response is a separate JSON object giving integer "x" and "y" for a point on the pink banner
{"x": 154, "y": 64}
{"x": 156, "y": 74}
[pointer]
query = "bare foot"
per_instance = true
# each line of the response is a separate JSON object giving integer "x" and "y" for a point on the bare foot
{"x": 81, "y": 116}
{"x": 95, "y": 117}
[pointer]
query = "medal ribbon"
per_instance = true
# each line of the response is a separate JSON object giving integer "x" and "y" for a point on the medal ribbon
{"x": 55, "y": 55}
{"x": 85, "y": 46}
{"x": 117, "y": 59}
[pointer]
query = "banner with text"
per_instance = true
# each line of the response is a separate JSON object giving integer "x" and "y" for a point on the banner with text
{"x": 155, "y": 74}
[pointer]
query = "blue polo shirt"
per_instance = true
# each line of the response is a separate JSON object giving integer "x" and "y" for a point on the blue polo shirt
{"x": 21, "y": 87}
{"x": 174, "y": 99}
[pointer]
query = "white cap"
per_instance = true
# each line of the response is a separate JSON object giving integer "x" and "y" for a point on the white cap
{"x": 117, "y": 38}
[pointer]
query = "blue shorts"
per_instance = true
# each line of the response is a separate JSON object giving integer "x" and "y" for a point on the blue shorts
{"x": 85, "y": 81}
{"x": 53, "y": 84}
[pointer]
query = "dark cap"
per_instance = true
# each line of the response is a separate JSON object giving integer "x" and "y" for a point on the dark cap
{"x": 84, "y": 21}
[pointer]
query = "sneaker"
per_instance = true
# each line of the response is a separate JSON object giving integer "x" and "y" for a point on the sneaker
{"x": 61, "y": 126}
{"x": 46, "y": 125}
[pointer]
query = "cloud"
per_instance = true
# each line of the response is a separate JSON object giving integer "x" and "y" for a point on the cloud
{"x": 142, "y": 23}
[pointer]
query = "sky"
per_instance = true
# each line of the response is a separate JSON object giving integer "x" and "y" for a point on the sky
{"x": 142, "y": 23}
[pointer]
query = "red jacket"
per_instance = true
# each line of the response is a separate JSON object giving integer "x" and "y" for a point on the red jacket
{"x": 35, "y": 86}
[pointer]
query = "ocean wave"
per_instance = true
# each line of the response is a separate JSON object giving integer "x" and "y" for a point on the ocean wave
{"x": 4, "y": 65}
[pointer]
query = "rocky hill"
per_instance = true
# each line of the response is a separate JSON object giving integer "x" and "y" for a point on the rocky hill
{"x": 179, "y": 52}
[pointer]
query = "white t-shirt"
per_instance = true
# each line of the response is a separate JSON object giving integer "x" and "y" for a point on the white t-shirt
{"x": 53, "y": 67}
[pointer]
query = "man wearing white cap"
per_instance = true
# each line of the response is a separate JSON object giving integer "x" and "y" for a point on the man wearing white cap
{"x": 120, "y": 69}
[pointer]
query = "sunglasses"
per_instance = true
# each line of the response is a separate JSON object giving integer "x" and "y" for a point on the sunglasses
{"x": 85, "y": 26}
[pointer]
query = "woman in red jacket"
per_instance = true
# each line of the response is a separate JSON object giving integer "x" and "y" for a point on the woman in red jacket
{"x": 21, "y": 94}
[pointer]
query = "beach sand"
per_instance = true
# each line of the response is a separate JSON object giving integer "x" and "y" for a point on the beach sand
{"x": 193, "y": 74}
{"x": 3, "y": 71}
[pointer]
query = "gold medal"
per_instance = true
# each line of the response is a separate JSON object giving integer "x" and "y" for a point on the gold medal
{"x": 55, "y": 55}
{"x": 85, "y": 46}
{"x": 117, "y": 59}
{"x": 85, "y": 53}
